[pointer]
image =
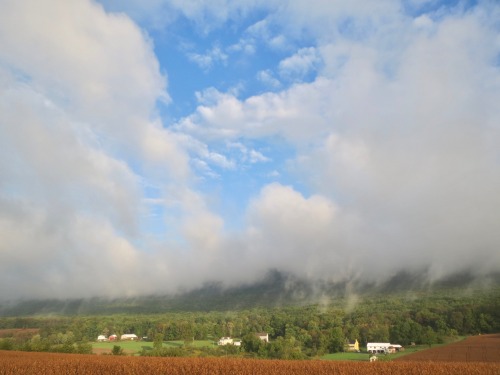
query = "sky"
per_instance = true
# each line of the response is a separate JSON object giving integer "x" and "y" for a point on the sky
{"x": 152, "y": 145}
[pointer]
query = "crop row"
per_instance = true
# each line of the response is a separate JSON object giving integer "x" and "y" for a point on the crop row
{"x": 46, "y": 363}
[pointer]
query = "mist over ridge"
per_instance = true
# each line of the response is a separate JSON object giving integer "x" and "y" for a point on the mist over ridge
{"x": 274, "y": 291}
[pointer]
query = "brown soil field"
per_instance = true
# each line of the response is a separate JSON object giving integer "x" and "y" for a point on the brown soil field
{"x": 482, "y": 348}
{"x": 21, "y": 363}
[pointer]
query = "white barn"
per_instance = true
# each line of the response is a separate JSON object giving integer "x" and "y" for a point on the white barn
{"x": 382, "y": 347}
{"x": 129, "y": 336}
{"x": 225, "y": 341}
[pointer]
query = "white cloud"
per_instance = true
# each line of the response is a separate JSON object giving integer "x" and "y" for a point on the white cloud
{"x": 245, "y": 45}
{"x": 293, "y": 233}
{"x": 300, "y": 64}
{"x": 209, "y": 59}
{"x": 403, "y": 141}
{"x": 396, "y": 139}
{"x": 264, "y": 31}
{"x": 267, "y": 77}
{"x": 423, "y": 21}
{"x": 248, "y": 154}
{"x": 77, "y": 138}
{"x": 82, "y": 66}
{"x": 202, "y": 151}
{"x": 299, "y": 114}
{"x": 257, "y": 157}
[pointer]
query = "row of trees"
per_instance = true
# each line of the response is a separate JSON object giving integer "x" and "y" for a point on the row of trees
{"x": 295, "y": 332}
{"x": 58, "y": 343}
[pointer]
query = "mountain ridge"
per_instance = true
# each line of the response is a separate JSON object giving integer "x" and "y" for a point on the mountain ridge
{"x": 274, "y": 290}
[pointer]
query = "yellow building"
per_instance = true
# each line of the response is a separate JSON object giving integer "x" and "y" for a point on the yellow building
{"x": 353, "y": 346}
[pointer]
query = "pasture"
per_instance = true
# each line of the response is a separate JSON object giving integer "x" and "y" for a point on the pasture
{"x": 135, "y": 347}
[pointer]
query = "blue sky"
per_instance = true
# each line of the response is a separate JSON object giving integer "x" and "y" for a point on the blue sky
{"x": 215, "y": 140}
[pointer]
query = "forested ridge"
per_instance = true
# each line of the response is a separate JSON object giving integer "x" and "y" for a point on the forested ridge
{"x": 276, "y": 289}
{"x": 424, "y": 317}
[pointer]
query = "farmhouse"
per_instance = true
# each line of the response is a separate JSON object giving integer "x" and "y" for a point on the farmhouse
{"x": 129, "y": 336}
{"x": 383, "y": 347}
{"x": 353, "y": 346}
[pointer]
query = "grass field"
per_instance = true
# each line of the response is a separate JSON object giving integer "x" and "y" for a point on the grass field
{"x": 135, "y": 347}
{"x": 364, "y": 356}
{"x": 346, "y": 356}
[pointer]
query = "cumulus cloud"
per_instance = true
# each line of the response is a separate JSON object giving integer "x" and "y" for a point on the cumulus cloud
{"x": 267, "y": 77}
{"x": 300, "y": 64}
{"x": 395, "y": 149}
{"x": 403, "y": 143}
{"x": 207, "y": 60}
{"x": 248, "y": 154}
{"x": 76, "y": 141}
{"x": 292, "y": 233}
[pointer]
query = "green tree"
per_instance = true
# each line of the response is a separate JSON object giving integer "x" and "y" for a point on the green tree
{"x": 251, "y": 343}
{"x": 429, "y": 337}
{"x": 336, "y": 341}
{"x": 83, "y": 348}
{"x": 117, "y": 350}
{"x": 158, "y": 340}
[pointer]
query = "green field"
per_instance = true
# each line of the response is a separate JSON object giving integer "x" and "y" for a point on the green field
{"x": 364, "y": 356}
{"x": 348, "y": 356}
{"x": 135, "y": 347}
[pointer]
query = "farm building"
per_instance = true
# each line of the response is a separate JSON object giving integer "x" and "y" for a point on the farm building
{"x": 112, "y": 338}
{"x": 353, "y": 346}
{"x": 263, "y": 336}
{"x": 383, "y": 347}
{"x": 225, "y": 341}
{"x": 228, "y": 341}
{"x": 102, "y": 338}
{"x": 129, "y": 336}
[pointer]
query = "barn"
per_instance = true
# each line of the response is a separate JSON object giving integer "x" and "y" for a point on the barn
{"x": 129, "y": 337}
{"x": 382, "y": 347}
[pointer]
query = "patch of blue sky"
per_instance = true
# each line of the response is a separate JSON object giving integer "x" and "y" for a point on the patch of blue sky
{"x": 232, "y": 190}
{"x": 436, "y": 9}
{"x": 228, "y": 59}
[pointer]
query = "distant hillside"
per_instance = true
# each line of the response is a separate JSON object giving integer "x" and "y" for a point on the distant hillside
{"x": 276, "y": 289}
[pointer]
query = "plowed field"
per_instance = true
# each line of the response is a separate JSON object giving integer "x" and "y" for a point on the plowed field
{"x": 21, "y": 363}
{"x": 484, "y": 348}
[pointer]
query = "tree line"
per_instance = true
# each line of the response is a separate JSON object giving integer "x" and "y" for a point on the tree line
{"x": 294, "y": 331}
